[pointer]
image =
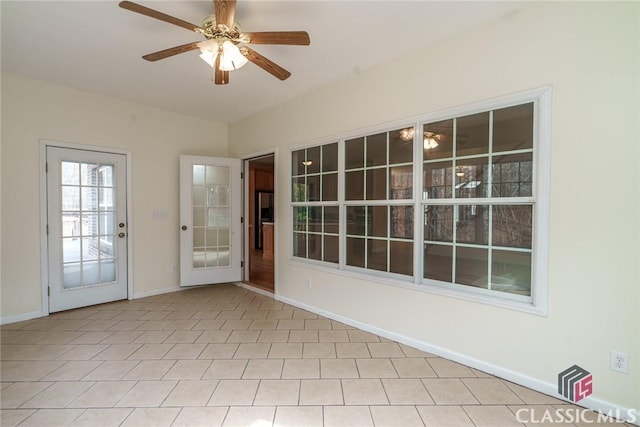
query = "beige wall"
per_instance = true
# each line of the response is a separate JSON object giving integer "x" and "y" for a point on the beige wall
{"x": 33, "y": 110}
{"x": 589, "y": 53}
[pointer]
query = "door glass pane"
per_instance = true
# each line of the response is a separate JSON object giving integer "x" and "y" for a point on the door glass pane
{"x": 198, "y": 237}
{"x": 70, "y": 198}
{"x": 70, "y": 172}
{"x": 107, "y": 247}
{"x": 90, "y": 273}
{"x": 107, "y": 271}
{"x": 88, "y": 242}
{"x": 224, "y": 236}
{"x": 70, "y": 224}
{"x": 71, "y": 249}
{"x": 210, "y": 189}
{"x": 89, "y": 174}
{"x": 71, "y": 275}
{"x": 89, "y": 199}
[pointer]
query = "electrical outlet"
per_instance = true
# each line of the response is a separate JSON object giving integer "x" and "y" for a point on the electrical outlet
{"x": 619, "y": 362}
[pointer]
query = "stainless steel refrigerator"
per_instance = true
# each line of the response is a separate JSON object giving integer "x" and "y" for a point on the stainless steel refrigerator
{"x": 264, "y": 213}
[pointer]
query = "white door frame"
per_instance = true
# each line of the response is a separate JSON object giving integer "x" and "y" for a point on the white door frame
{"x": 44, "y": 249}
{"x": 278, "y": 219}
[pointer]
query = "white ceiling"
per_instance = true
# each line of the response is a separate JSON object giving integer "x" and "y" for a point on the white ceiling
{"x": 97, "y": 46}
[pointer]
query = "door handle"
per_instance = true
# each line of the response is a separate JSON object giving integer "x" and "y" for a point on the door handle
{"x": 121, "y": 235}
{"x": 184, "y": 228}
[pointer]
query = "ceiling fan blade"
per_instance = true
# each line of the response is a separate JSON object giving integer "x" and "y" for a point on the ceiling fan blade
{"x": 266, "y": 64}
{"x": 220, "y": 77}
{"x": 225, "y": 11}
{"x": 143, "y": 10}
{"x": 171, "y": 51}
{"x": 300, "y": 38}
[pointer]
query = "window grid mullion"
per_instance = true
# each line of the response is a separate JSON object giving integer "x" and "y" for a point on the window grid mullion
{"x": 490, "y": 207}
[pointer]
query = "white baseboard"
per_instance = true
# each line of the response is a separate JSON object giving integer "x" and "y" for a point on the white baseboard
{"x": 627, "y": 414}
{"x": 154, "y": 292}
{"x": 21, "y": 317}
{"x": 254, "y": 289}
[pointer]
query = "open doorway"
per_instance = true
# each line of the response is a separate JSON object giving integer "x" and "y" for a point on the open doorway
{"x": 260, "y": 199}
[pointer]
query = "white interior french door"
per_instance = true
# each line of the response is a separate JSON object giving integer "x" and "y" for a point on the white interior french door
{"x": 210, "y": 220}
{"x": 87, "y": 228}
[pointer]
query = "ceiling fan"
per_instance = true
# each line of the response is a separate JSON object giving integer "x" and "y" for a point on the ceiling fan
{"x": 224, "y": 45}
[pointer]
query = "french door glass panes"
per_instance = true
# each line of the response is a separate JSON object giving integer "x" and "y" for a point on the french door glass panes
{"x": 211, "y": 228}
{"x": 88, "y": 224}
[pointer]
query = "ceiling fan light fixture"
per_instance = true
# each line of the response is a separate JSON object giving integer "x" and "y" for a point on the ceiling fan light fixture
{"x": 430, "y": 140}
{"x": 209, "y": 51}
{"x": 406, "y": 134}
{"x": 231, "y": 58}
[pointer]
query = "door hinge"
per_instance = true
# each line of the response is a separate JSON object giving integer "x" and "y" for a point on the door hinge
{"x": 48, "y": 291}
{"x": 46, "y": 167}
{"x": 241, "y": 175}
{"x": 241, "y": 264}
{"x": 47, "y": 229}
{"x": 241, "y": 220}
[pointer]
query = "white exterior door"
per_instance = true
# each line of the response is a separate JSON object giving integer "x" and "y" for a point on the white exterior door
{"x": 87, "y": 229}
{"x": 210, "y": 220}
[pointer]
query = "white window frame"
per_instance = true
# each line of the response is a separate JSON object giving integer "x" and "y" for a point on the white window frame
{"x": 536, "y": 303}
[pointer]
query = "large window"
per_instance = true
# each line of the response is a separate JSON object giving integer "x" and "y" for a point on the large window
{"x": 454, "y": 202}
{"x": 378, "y": 202}
{"x": 477, "y": 200}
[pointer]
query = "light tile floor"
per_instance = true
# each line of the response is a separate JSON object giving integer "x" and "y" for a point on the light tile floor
{"x": 226, "y": 356}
